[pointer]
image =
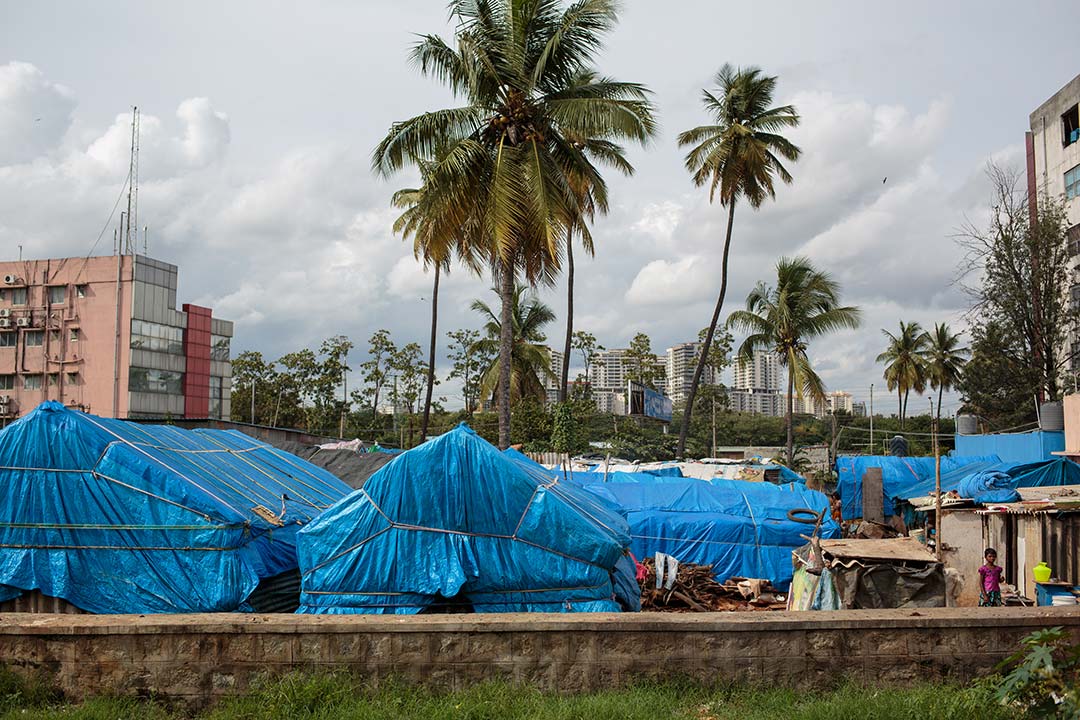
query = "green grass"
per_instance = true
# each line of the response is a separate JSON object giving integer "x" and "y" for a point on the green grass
{"x": 342, "y": 698}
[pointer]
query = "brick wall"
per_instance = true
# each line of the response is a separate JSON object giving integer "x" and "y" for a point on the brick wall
{"x": 195, "y": 658}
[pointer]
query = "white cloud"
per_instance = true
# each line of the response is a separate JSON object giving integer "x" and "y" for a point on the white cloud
{"x": 35, "y": 114}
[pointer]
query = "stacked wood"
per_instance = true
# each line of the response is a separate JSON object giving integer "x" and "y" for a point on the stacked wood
{"x": 696, "y": 590}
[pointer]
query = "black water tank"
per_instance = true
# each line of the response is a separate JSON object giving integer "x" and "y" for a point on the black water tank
{"x": 898, "y": 446}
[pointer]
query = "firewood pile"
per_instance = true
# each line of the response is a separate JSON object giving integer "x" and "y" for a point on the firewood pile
{"x": 696, "y": 590}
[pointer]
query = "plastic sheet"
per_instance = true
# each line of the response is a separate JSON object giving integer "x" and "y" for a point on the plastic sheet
{"x": 740, "y": 528}
{"x": 902, "y": 477}
{"x": 455, "y": 521}
{"x": 989, "y": 486}
{"x": 118, "y": 517}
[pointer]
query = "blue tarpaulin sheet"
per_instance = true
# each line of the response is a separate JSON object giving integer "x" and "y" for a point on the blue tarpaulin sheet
{"x": 740, "y": 528}
{"x": 118, "y": 517}
{"x": 455, "y": 519}
{"x": 989, "y": 486}
{"x": 1034, "y": 446}
{"x": 899, "y": 476}
{"x": 1059, "y": 471}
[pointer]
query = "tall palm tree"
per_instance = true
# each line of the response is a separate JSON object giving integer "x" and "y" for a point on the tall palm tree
{"x": 738, "y": 156}
{"x": 805, "y": 304}
{"x": 530, "y": 361}
{"x": 524, "y": 135}
{"x": 944, "y": 359}
{"x": 440, "y": 227}
{"x": 905, "y": 368}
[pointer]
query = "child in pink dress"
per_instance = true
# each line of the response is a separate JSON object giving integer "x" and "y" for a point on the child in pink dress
{"x": 990, "y": 580}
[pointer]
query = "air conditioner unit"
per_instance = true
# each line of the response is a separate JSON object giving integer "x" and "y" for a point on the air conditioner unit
{"x": 5, "y": 312}
{"x": 5, "y": 323}
{"x": 11, "y": 279}
{"x": 23, "y": 322}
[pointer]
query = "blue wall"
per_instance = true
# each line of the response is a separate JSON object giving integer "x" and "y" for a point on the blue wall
{"x": 1013, "y": 447}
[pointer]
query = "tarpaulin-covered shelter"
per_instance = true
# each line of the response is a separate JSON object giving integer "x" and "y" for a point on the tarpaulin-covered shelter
{"x": 118, "y": 517}
{"x": 1047, "y": 473}
{"x": 740, "y": 528}
{"x": 455, "y": 522}
{"x": 898, "y": 475}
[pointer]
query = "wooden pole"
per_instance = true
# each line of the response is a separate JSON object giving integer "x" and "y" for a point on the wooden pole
{"x": 937, "y": 482}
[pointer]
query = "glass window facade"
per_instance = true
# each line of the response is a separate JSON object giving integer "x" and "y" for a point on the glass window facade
{"x": 215, "y": 397}
{"x": 31, "y": 382}
{"x": 18, "y": 296}
{"x": 7, "y": 339}
{"x": 7, "y": 382}
{"x": 72, "y": 378}
{"x": 57, "y": 294}
{"x": 54, "y": 379}
{"x": 74, "y": 335}
{"x": 34, "y": 338}
{"x": 219, "y": 347}
{"x": 155, "y": 381}
{"x": 1072, "y": 183}
{"x": 159, "y": 338}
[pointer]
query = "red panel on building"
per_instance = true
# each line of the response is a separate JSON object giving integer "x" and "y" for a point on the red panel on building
{"x": 197, "y": 352}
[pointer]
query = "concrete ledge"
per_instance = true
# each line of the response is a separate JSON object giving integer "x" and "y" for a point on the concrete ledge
{"x": 195, "y": 658}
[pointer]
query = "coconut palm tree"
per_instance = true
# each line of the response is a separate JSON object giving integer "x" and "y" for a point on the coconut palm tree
{"x": 804, "y": 304}
{"x": 905, "y": 368}
{"x": 524, "y": 135}
{"x": 944, "y": 359}
{"x": 739, "y": 156}
{"x": 440, "y": 227}
{"x": 530, "y": 359}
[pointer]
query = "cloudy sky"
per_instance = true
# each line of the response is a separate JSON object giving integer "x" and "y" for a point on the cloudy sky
{"x": 259, "y": 119}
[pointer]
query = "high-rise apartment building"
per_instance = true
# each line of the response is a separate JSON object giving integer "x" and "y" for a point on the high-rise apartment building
{"x": 103, "y": 334}
{"x": 1053, "y": 169}
{"x": 755, "y": 386}
{"x": 551, "y": 382}
{"x": 610, "y": 374}
{"x": 681, "y": 363}
{"x": 836, "y": 401}
{"x": 761, "y": 374}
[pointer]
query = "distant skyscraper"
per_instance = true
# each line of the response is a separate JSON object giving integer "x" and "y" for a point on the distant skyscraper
{"x": 681, "y": 362}
{"x": 761, "y": 374}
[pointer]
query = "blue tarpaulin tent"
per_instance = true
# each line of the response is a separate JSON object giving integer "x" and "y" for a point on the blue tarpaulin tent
{"x": 898, "y": 475}
{"x": 118, "y": 517}
{"x": 740, "y": 528}
{"x": 456, "y": 521}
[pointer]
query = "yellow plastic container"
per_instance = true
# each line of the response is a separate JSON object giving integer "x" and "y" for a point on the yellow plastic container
{"x": 1041, "y": 572}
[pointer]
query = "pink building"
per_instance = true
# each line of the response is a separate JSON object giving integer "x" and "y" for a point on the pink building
{"x": 103, "y": 334}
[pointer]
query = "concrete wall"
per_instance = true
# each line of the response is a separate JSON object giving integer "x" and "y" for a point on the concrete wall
{"x": 195, "y": 658}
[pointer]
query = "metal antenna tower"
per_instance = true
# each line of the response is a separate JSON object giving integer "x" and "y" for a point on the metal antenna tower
{"x": 133, "y": 186}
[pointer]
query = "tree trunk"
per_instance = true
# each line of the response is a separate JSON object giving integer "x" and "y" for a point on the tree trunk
{"x": 431, "y": 357}
{"x": 565, "y": 379}
{"x": 689, "y": 410}
{"x": 940, "y": 392}
{"x": 506, "y": 348}
{"x": 900, "y": 406}
{"x": 790, "y": 417}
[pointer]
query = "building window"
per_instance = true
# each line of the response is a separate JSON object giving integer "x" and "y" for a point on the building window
{"x": 80, "y": 291}
{"x": 1072, "y": 183}
{"x": 34, "y": 338}
{"x": 215, "y": 397}
{"x": 73, "y": 378}
{"x": 1073, "y": 236}
{"x": 219, "y": 347}
{"x": 54, "y": 379}
{"x": 7, "y": 339}
{"x": 18, "y": 296}
{"x": 31, "y": 382}
{"x": 1070, "y": 125}
{"x": 7, "y": 382}
{"x": 57, "y": 294}
{"x": 155, "y": 381}
{"x": 156, "y": 337}
{"x": 54, "y": 337}
{"x": 73, "y": 336}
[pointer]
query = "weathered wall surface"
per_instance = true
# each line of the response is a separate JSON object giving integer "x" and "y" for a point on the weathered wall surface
{"x": 198, "y": 657}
